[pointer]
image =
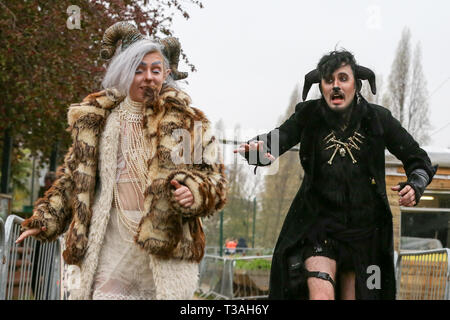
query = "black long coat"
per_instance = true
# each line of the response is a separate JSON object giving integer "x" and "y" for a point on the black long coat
{"x": 382, "y": 131}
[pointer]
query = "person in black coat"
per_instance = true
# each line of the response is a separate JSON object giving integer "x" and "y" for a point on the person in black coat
{"x": 337, "y": 239}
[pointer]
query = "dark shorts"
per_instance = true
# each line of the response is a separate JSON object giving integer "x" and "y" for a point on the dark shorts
{"x": 330, "y": 249}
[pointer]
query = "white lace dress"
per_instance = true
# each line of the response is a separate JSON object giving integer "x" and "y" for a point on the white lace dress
{"x": 124, "y": 271}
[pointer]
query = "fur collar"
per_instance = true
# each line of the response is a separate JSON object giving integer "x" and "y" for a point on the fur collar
{"x": 103, "y": 101}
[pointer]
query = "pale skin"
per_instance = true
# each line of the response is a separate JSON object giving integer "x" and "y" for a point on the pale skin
{"x": 320, "y": 289}
{"x": 150, "y": 73}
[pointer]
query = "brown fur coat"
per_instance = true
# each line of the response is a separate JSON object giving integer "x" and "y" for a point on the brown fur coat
{"x": 167, "y": 230}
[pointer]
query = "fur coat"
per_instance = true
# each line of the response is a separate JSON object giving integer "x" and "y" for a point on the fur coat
{"x": 79, "y": 202}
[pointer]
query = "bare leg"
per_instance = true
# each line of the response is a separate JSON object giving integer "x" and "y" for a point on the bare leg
{"x": 320, "y": 289}
{"x": 347, "y": 285}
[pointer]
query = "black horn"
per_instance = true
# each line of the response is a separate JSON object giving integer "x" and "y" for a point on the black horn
{"x": 310, "y": 78}
{"x": 364, "y": 73}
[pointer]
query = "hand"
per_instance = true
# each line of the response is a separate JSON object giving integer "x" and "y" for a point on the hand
{"x": 254, "y": 145}
{"x": 407, "y": 196}
{"x": 182, "y": 194}
{"x": 30, "y": 232}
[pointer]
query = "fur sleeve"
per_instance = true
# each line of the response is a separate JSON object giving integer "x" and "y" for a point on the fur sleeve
{"x": 53, "y": 211}
{"x": 205, "y": 178}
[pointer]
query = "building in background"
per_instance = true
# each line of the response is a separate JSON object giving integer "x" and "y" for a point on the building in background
{"x": 427, "y": 225}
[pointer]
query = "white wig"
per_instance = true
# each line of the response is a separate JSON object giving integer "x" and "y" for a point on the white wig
{"x": 120, "y": 73}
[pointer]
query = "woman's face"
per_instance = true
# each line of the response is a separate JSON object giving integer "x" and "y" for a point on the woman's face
{"x": 150, "y": 73}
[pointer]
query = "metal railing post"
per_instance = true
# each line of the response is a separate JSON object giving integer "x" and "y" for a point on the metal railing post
{"x": 2, "y": 260}
{"x": 254, "y": 223}
{"x": 221, "y": 234}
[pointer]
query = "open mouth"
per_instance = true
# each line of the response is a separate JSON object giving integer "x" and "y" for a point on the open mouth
{"x": 337, "y": 97}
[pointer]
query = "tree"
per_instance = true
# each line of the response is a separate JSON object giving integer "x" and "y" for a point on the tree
{"x": 407, "y": 95}
{"x": 243, "y": 187}
{"x": 211, "y": 224}
{"x": 45, "y": 66}
{"x": 242, "y": 190}
{"x": 399, "y": 77}
{"x": 279, "y": 189}
{"x": 418, "y": 120}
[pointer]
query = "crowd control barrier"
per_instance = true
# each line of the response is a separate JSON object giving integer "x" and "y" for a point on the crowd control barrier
{"x": 423, "y": 275}
{"x": 234, "y": 277}
{"x": 30, "y": 270}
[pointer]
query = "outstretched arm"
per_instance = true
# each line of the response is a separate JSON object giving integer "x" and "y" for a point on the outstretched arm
{"x": 263, "y": 149}
{"x": 53, "y": 212}
{"x": 252, "y": 146}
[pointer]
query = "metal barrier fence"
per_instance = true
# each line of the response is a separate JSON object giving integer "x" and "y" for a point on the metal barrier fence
{"x": 215, "y": 251}
{"x": 30, "y": 270}
{"x": 2, "y": 256}
{"x": 234, "y": 277}
{"x": 423, "y": 275}
{"x": 420, "y": 275}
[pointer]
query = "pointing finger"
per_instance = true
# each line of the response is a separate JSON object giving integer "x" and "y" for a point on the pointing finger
{"x": 31, "y": 232}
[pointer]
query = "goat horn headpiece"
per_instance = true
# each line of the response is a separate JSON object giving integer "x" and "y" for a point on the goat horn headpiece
{"x": 129, "y": 34}
{"x": 362, "y": 73}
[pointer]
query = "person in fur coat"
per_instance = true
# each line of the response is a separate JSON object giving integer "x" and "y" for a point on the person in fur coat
{"x": 143, "y": 171}
{"x": 337, "y": 239}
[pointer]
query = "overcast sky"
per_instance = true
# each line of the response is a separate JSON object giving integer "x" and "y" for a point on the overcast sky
{"x": 250, "y": 54}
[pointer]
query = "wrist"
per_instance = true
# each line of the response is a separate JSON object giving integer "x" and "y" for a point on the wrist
{"x": 418, "y": 180}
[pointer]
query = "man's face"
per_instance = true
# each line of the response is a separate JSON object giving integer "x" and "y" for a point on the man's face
{"x": 149, "y": 74}
{"x": 339, "y": 88}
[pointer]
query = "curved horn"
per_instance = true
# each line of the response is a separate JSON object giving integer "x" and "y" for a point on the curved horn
{"x": 172, "y": 49}
{"x": 310, "y": 78}
{"x": 364, "y": 73}
{"x": 119, "y": 31}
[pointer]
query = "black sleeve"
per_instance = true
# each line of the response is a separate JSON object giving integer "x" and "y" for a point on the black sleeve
{"x": 402, "y": 145}
{"x": 280, "y": 139}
